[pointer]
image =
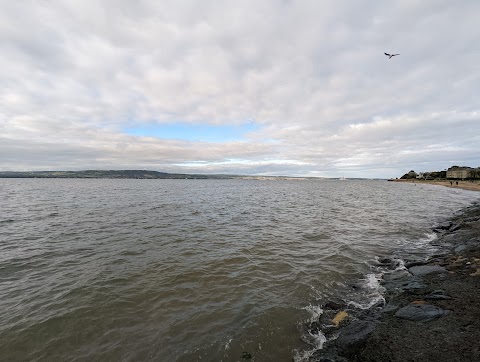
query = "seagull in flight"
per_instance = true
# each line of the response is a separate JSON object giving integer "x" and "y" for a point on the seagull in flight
{"x": 390, "y": 55}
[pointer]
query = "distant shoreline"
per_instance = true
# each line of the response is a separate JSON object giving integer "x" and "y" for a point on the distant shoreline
{"x": 465, "y": 185}
{"x": 151, "y": 175}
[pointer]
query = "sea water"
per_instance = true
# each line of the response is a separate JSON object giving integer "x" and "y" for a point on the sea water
{"x": 197, "y": 270}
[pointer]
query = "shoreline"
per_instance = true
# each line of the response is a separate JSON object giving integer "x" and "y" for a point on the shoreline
{"x": 465, "y": 185}
{"x": 431, "y": 309}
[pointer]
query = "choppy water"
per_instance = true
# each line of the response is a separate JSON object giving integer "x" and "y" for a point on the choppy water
{"x": 190, "y": 270}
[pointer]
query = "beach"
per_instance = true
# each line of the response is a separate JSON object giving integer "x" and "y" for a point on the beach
{"x": 431, "y": 310}
{"x": 461, "y": 184}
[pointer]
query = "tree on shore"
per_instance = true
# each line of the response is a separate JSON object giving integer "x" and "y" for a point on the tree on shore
{"x": 409, "y": 175}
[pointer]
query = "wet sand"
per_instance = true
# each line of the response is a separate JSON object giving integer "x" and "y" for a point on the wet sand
{"x": 431, "y": 310}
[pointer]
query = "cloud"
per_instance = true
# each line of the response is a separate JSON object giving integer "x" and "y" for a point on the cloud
{"x": 75, "y": 75}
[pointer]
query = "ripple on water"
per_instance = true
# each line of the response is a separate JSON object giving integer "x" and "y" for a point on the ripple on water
{"x": 194, "y": 269}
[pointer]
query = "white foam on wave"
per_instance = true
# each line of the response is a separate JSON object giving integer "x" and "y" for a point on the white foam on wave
{"x": 400, "y": 266}
{"x": 429, "y": 237}
{"x": 424, "y": 243}
{"x": 315, "y": 312}
{"x": 373, "y": 292}
{"x": 314, "y": 339}
{"x": 317, "y": 340}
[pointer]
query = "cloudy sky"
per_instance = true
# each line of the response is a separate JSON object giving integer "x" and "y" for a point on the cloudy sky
{"x": 299, "y": 88}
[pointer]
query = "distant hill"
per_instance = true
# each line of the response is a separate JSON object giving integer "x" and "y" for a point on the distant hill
{"x": 145, "y": 174}
{"x": 109, "y": 174}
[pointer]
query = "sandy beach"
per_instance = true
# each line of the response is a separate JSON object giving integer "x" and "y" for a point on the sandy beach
{"x": 466, "y": 185}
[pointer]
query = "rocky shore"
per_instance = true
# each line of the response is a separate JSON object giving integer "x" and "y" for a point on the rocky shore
{"x": 431, "y": 310}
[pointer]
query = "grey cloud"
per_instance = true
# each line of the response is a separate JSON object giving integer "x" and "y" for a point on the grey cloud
{"x": 311, "y": 74}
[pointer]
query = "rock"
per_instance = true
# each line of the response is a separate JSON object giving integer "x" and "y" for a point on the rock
{"x": 476, "y": 274}
{"x": 413, "y": 287}
{"x": 354, "y": 335}
{"x": 402, "y": 281}
{"x": 422, "y": 270}
{"x": 314, "y": 327}
{"x": 334, "y": 305}
{"x": 246, "y": 355}
{"x": 396, "y": 275}
{"x": 437, "y": 295}
{"x": 420, "y": 312}
{"x": 385, "y": 261}
{"x": 444, "y": 226}
{"x": 389, "y": 263}
{"x": 415, "y": 263}
{"x": 460, "y": 248}
{"x": 391, "y": 307}
{"x": 455, "y": 227}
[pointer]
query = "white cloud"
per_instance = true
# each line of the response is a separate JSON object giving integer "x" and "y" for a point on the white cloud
{"x": 311, "y": 74}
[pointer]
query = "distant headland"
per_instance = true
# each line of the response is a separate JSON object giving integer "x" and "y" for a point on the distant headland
{"x": 136, "y": 174}
{"x": 110, "y": 174}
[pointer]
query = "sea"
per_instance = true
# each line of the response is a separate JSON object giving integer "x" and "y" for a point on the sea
{"x": 198, "y": 270}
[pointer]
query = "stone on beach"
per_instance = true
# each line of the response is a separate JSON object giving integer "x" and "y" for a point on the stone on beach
{"x": 334, "y": 305}
{"x": 437, "y": 295}
{"x": 420, "y": 312}
{"x": 477, "y": 273}
{"x": 355, "y": 333}
{"x": 422, "y": 270}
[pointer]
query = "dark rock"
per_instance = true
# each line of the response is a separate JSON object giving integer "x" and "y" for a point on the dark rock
{"x": 391, "y": 307}
{"x": 444, "y": 225}
{"x": 420, "y": 312}
{"x": 422, "y": 270}
{"x": 396, "y": 281}
{"x": 334, "y": 305}
{"x": 437, "y": 295}
{"x": 413, "y": 287}
{"x": 389, "y": 263}
{"x": 354, "y": 335}
{"x": 385, "y": 261}
{"x": 460, "y": 248}
{"x": 415, "y": 263}
{"x": 455, "y": 227}
{"x": 246, "y": 355}
{"x": 396, "y": 275}
{"x": 314, "y": 327}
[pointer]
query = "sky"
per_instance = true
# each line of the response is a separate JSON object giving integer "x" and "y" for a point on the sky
{"x": 295, "y": 88}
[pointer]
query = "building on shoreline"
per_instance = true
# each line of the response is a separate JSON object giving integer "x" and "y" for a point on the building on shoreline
{"x": 460, "y": 172}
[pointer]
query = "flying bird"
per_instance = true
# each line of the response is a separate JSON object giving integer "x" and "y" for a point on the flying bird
{"x": 390, "y": 55}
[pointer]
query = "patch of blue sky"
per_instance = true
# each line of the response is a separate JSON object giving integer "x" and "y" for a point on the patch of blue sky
{"x": 194, "y": 132}
{"x": 241, "y": 162}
